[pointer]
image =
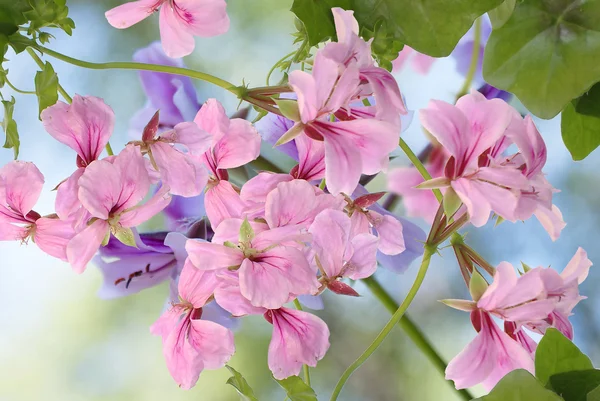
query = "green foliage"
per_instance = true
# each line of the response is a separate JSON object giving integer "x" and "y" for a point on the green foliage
{"x": 520, "y": 385}
{"x": 575, "y": 386}
{"x": 501, "y": 14}
{"x": 557, "y": 354}
{"x": 547, "y": 53}
{"x": 46, "y": 87}
{"x": 48, "y": 13}
{"x": 432, "y": 27}
{"x": 9, "y": 126}
{"x": 241, "y": 385}
{"x": 580, "y": 124}
{"x": 297, "y": 390}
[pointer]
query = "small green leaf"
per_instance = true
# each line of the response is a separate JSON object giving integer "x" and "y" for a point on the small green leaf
{"x": 526, "y": 268}
{"x": 520, "y": 385}
{"x": 125, "y": 235}
{"x": 246, "y": 232}
{"x": 290, "y": 134}
{"x": 546, "y": 53}
{"x": 241, "y": 385}
{"x": 575, "y": 386}
{"x": 477, "y": 285}
{"x": 451, "y": 202}
{"x": 594, "y": 395}
{"x": 580, "y": 124}
{"x": 297, "y": 390}
{"x": 9, "y": 125}
{"x": 289, "y": 108}
{"x": 46, "y": 87}
{"x": 501, "y": 14}
{"x": 557, "y": 354}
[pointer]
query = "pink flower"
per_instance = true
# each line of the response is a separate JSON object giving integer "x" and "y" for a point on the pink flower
{"x": 421, "y": 63}
{"x": 183, "y": 173}
{"x": 475, "y": 132}
{"x": 20, "y": 188}
{"x": 338, "y": 252}
{"x": 191, "y": 344}
{"x": 110, "y": 191}
{"x": 489, "y": 357}
{"x": 298, "y": 338}
{"x": 180, "y": 21}
{"x": 235, "y": 143}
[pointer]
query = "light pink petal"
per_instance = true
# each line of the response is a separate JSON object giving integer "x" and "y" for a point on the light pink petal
{"x": 208, "y": 256}
{"x": 82, "y": 247}
{"x": 272, "y": 278}
{"x": 346, "y": 26}
{"x": 325, "y": 73}
{"x": 508, "y": 177}
{"x": 229, "y": 230}
{"x": 131, "y": 13}
{"x": 287, "y": 235}
{"x": 478, "y": 206}
{"x": 11, "y": 232}
{"x": 196, "y": 140}
{"x": 390, "y": 233}
{"x": 67, "y": 198}
{"x": 239, "y": 146}
{"x": 418, "y": 202}
{"x": 22, "y": 185}
{"x": 578, "y": 267}
{"x": 183, "y": 361}
{"x": 448, "y": 125}
{"x": 331, "y": 234}
{"x": 53, "y": 235}
{"x": 364, "y": 257}
{"x": 203, "y": 18}
{"x": 422, "y": 63}
{"x": 343, "y": 165}
{"x": 305, "y": 88}
{"x": 196, "y": 286}
{"x": 176, "y": 38}
{"x": 223, "y": 202}
{"x": 212, "y": 118}
{"x": 139, "y": 214}
{"x": 257, "y": 188}
{"x": 184, "y": 174}
{"x": 99, "y": 188}
{"x": 85, "y": 125}
{"x": 165, "y": 324}
{"x": 360, "y": 224}
{"x": 135, "y": 181}
{"x": 229, "y": 297}
{"x": 389, "y": 102}
{"x": 298, "y": 338}
{"x": 213, "y": 342}
{"x": 551, "y": 220}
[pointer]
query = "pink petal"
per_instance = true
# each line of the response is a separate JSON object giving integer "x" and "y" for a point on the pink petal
{"x": 418, "y": 202}
{"x": 212, "y": 118}
{"x": 478, "y": 207}
{"x": 275, "y": 276}
{"x": 134, "y": 178}
{"x": 209, "y": 256}
{"x": 53, "y": 235}
{"x": 67, "y": 200}
{"x": 257, "y": 188}
{"x": 183, "y": 361}
{"x": 390, "y": 233}
{"x": 22, "y": 185}
{"x": 422, "y": 63}
{"x": 182, "y": 173}
{"x": 129, "y": 14}
{"x": 141, "y": 213}
{"x": 551, "y": 220}
{"x": 331, "y": 234}
{"x": 364, "y": 257}
{"x": 176, "y": 38}
{"x": 213, "y": 342}
{"x": 230, "y": 298}
{"x": 311, "y": 155}
{"x": 448, "y": 125}
{"x": 389, "y": 102}
{"x": 305, "y": 88}
{"x": 204, "y": 18}
{"x": 196, "y": 286}
{"x": 11, "y": 232}
{"x": 82, "y": 247}
{"x": 346, "y": 26}
{"x": 99, "y": 188}
{"x": 229, "y": 230}
{"x": 239, "y": 146}
{"x": 196, "y": 140}
{"x": 298, "y": 338}
{"x": 85, "y": 125}
{"x": 578, "y": 267}
{"x": 223, "y": 202}
{"x": 343, "y": 165}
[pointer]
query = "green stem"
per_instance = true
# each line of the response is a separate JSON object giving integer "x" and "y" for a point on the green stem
{"x": 305, "y": 368}
{"x": 419, "y": 166}
{"x": 17, "y": 89}
{"x": 474, "y": 59}
{"x": 412, "y": 331}
{"x": 277, "y": 65}
{"x": 146, "y": 67}
{"x": 429, "y": 251}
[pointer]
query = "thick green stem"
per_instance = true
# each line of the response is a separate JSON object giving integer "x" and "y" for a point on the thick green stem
{"x": 146, "y": 67}
{"x": 419, "y": 166}
{"x": 474, "y": 59}
{"x": 429, "y": 251}
{"x": 412, "y": 331}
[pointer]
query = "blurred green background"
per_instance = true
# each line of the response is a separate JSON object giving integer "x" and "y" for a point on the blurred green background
{"x": 60, "y": 342}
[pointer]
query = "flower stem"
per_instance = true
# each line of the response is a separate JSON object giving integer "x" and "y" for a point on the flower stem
{"x": 17, "y": 89}
{"x": 305, "y": 368}
{"x": 474, "y": 59}
{"x": 238, "y": 91}
{"x": 419, "y": 166}
{"x": 396, "y": 317}
{"x": 412, "y": 331}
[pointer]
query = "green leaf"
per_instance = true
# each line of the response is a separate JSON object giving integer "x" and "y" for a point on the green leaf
{"x": 451, "y": 202}
{"x": 9, "y": 126}
{"x": 317, "y": 18}
{"x": 519, "y": 385}
{"x": 501, "y": 14}
{"x": 46, "y": 87}
{"x": 246, "y": 232}
{"x": 297, "y": 390}
{"x": 477, "y": 285}
{"x": 241, "y": 385}
{"x": 575, "y": 386}
{"x": 125, "y": 235}
{"x": 594, "y": 395}
{"x": 557, "y": 354}
{"x": 289, "y": 108}
{"x": 580, "y": 124}
{"x": 547, "y": 53}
